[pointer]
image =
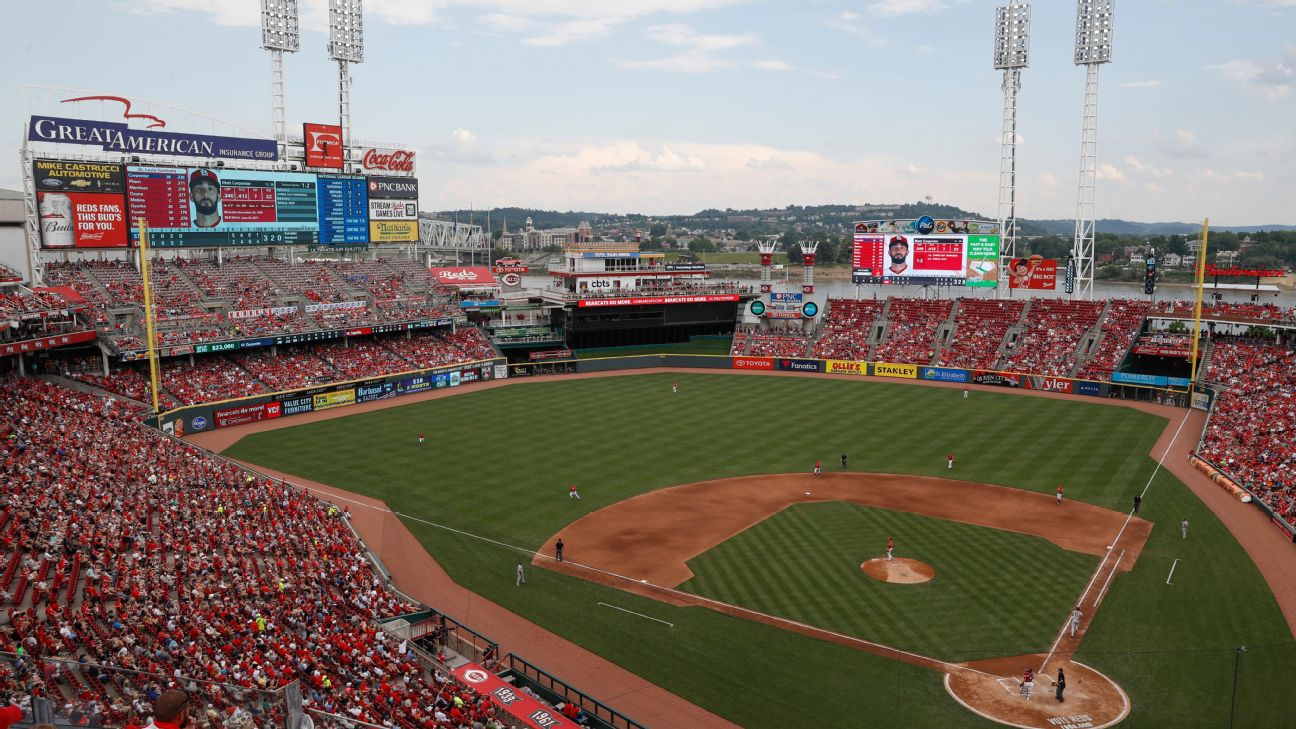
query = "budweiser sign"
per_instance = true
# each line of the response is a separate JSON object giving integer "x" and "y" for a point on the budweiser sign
{"x": 388, "y": 160}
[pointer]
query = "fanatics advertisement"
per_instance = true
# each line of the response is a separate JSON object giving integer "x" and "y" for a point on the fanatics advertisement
{"x": 81, "y": 204}
{"x": 926, "y": 252}
{"x": 800, "y": 365}
{"x": 121, "y": 139}
{"x": 1036, "y": 272}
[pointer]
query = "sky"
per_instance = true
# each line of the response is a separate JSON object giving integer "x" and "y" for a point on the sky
{"x": 673, "y": 106}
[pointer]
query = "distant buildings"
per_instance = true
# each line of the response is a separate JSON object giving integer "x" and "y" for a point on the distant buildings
{"x": 530, "y": 239}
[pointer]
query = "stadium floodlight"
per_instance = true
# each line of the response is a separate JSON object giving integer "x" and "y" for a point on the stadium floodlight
{"x": 1012, "y": 36}
{"x": 279, "y": 34}
{"x": 1093, "y": 47}
{"x": 1012, "y": 51}
{"x": 1093, "y": 42}
{"x": 279, "y": 30}
{"x": 346, "y": 30}
{"x": 346, "y": 46}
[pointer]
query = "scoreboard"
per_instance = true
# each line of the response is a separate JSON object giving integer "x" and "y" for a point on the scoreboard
{"x": 249, "y": 208}
{"x": 926, "y": 252}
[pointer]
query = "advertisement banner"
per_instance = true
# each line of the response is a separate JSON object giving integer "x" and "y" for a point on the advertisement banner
{"x": 926, "y": 252}
{"x": 393, "y": 188}
{"x": 333, "y": 306}
{"x": 753, "y": 363}
{"x": 257, "y": 313}
{"x": 244, "y": 414}
{"x": 999, "y": 379}
{"x": 335, "y": 399}
{"x": 506, "y": 696}
{"x": 121, "y": 139}
{"x": 464, "y": 276}
{"x": 52, "y": 175}
{"x": 298, "y": 405}
{"x": 393, "y": 231}
{"x": 943, "y": 374}
{"x": 549, "y": 354}
{"x": 393, "y": 210}
{"x": 379, "y": 391}
{"x": 1202, "y": 400}
{"x": 845, "y": 367}
{"x": 43, "y": 343}
{"x": 686, "y": 267}
{"x": 650, "y": 300}
{"x": 903, "y": 371}
{"x": 387, "y": 161}
{"x": 414, "y": 384}
{"x": 1086, "y": 387}
{"x": 1134, "y": 378}
{"x": 82, "y": 220}
{"x": 800, "y": 365}
{"x": 1036, "y": 272}
{"x": 323, "y": 145}
{"x": 1049, "y": 384}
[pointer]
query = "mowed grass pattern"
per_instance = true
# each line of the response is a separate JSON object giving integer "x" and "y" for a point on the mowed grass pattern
{"x": 993, "y": 589}
{"x": 498, "y": 463}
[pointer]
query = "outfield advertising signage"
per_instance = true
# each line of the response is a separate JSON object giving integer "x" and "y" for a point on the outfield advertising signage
{"x": 393, "y": 209}
{"x": 926, "y": 252}
{"x": 81, "y": 204}
{"x": 943, "y": 374}
{"x": 800, "y": 365}
{"x": 323, "y": 145}
{"x": 121, "y": 139}
{"x": 902, "y": 371}
{"x": 338, "y": 399}
{"x": 243, "y": 414}
{"x": 1000, "y": 379}
{"x": 845, "y": 367}
{"x": 753, "y": 363}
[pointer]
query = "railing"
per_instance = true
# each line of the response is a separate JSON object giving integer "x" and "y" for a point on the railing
{"x": 559, "y": 692}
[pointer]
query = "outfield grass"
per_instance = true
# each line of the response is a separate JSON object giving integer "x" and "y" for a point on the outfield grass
{"x": 499, "y": 462}
{"x": 804, "y": 563}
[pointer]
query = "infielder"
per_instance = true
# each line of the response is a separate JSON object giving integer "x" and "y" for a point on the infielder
{"x": 818, "y": 470}
{"x": 1075, "y": 620}
{"x": 1183, "y": 527}
{"x": 573, "y": 493}
{"x": 949, "y": 460}
{"x": 420, "y": 439}
{"x": 521, "y": 576}
{"x": 890, "y": 546}
{"x": 1059, "y": 495}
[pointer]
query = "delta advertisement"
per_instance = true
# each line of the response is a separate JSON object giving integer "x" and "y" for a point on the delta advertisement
{"x": 81, "y": 204}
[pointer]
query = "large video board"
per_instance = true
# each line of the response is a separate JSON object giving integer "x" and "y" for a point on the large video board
{"x": 81, "y": 204}
{"x": 926, "y": 252}
{"x": 200, "y": 206}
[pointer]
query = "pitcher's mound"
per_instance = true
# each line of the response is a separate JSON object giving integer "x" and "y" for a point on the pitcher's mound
{"x": 902, "y": 570}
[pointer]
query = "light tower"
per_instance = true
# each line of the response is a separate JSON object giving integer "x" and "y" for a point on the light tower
{"x": 279, "y": 34}
{"x": 1093, "y": 47}
{"x": 1012, "y": 48}
{"x": 767, "y": 259}
{"x": 346, "y": 46}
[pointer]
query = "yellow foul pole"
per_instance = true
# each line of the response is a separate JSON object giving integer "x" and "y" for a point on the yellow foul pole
{"x": 1197, "y": 303}
{"x": 145, "y": 273}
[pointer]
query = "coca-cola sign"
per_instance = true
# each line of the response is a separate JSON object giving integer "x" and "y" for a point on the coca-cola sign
{"x": 392, "y": 161}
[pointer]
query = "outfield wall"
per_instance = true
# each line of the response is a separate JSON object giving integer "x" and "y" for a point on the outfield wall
{"x": 241, "y": 411}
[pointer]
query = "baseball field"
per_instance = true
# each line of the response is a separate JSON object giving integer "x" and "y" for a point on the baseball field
{"x": 756, "y": 606}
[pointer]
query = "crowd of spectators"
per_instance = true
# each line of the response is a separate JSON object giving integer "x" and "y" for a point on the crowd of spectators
{"x": 1251, "y": 434}
{"x": 126, "y": 550}
{"x": 845, "y": 330}
{"x": 1054, "y": 328}
{"x": 784, "y": 344}
{"x": 1119, "y": 329}
{"x": 1242, "y": 312}
{"x": 982, "y": 324}
{"x": 911, "y": 337}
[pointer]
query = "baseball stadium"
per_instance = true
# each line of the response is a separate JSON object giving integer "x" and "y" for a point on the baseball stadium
{"x": 280, "y": 450}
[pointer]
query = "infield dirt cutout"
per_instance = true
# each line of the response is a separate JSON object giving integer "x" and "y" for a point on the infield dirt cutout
{"x": 642, "y": 545}
{"x": 900, "y": 571}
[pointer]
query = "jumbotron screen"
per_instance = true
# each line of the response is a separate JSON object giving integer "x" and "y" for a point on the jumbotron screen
{"x": 201, "y": 207}
{"x": 926, "y": 252}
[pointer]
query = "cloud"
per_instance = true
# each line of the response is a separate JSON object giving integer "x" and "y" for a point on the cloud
{"x": 1274, "y": 79}
{"x": 1140, "y": 84}
{"x": 1183, "y": 144}
{"x": 463, "y": 146}
{"x": 506, "y": 22}
{"x": 560, "y": 34}
{"x": 1267, "y": 3}
{"x": 772, "y": 64}
{"x": 701, "y": 52}
{"x": 1109, "y": 171}
{"x": 1139, "y": 168}
{"x": 893, "y": 8}
{"x": 1249, "y": 175}
{"x": 769, "y": 163}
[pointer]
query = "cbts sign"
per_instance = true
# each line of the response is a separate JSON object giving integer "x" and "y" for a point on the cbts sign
{"x": 323, "y": 145}
{"x": 387, "y": 161}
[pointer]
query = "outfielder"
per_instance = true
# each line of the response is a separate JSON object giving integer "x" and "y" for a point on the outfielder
{"x": 949, "y": 460}
{"x": 1059, "y": 495}
{"x": 573, "y": 493}
{"x": 890, "y": 546}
